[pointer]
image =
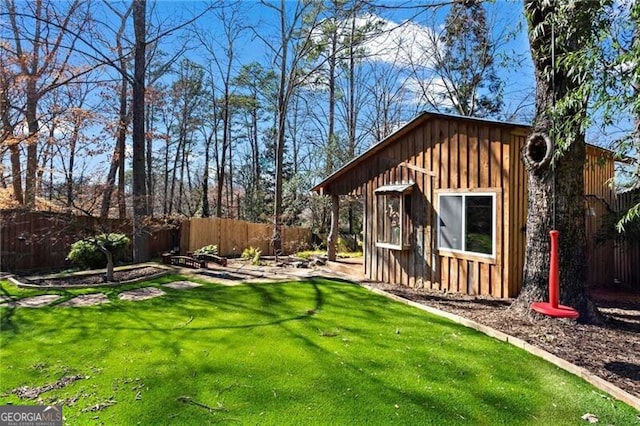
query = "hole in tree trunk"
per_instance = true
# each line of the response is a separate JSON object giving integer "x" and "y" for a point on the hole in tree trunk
{"x": 538, "y": 149}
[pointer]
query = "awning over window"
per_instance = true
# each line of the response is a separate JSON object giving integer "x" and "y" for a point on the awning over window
{"x": 402, "y": 188}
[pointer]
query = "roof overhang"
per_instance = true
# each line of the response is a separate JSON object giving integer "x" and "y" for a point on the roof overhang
{"x": 402, "y": 188}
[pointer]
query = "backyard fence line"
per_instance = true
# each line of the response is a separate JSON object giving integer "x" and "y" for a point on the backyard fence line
{"x": 36, "y": 240}
{"x": 233, "y": 236}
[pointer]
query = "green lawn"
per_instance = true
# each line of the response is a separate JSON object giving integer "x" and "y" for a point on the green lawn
{"x": 301, "y": 353}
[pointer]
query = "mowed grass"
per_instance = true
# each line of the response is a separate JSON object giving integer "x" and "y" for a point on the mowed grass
{"x": 302, "y": 353}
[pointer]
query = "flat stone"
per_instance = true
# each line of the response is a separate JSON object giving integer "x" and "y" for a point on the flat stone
{"x": 181, "y": 285}
{"x": 35, "y": 301}
{"x": 141, "y": 294}
{"x": 86, "y": 300}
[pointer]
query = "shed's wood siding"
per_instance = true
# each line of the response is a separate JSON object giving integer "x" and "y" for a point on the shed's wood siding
{"x": 462, "y": 154}
{"x": 627, "y": 253}
{"x": 518, "y": 208}
{"x": 599, "y": 200}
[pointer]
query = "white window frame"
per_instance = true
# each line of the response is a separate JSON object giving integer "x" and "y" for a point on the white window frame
{"x": 402, "y": 191}
{"x": 464, "y": 195}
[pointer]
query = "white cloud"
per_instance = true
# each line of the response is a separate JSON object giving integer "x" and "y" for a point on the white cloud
{"x": 401, "y": 44}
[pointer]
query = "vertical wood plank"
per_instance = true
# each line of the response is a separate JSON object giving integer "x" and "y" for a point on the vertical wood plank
{"x": 476, "y": 278}
{"x": 485, "y": 280}
{"x": 464, "y": 161}
{"x": 428, "y": 239}
{"x": 444, "y": 273}
{"x": 485, "y": 166}
{"x": 444, "y": 155}
{"x": 495, "y": 159}
{"x": 463, "y": 276}
{"x": 474, "y": 157}
{"x": 454, "y": 160}
{"x": 506, "y": 217}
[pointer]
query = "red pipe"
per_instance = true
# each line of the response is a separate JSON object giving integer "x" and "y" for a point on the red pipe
{"x": 554, "y": 271}
{"x": 553, "y": 307}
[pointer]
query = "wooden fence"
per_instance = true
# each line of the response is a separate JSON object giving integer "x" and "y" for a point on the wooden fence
{"x": 233, "y": 236}
{"x": 32, "y": 241}
{"x": 627, "y": 250}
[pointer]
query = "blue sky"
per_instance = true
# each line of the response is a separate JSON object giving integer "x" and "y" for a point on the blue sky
{"x": 408, "y": 23}
{"x": 506, "y": 16}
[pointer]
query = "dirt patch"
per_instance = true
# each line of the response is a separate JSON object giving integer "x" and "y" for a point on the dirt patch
{"x": 100, "y": 406}
{"x": 610, "y": 351}
{"x": 141, "y": 294}
{"x": 28, "y": 392}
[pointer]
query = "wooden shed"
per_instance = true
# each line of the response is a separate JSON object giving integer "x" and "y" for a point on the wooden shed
{"x": 445, "y": 204}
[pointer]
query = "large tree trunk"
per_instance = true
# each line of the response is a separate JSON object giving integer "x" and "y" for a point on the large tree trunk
{"x": 122, "y": 202}
{"x": 31, "y": 115}
{"x": 149, "y": 160}
{"x": 555, "y": 177}
{"x": 281, "y": 112}
{"x": 16, "y": 172}
{"x": 332, "y": 239}
{"x": 206, "y": 209}
{"x": 72, "y": 160}
{"x": 109, "y": 185}
{"x": 276, "y": 238}
{"x": 140, "y": 237}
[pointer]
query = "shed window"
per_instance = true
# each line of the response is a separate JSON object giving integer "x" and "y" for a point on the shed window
{"x": 467, "y": 223}
{"x": 394, "y": 216}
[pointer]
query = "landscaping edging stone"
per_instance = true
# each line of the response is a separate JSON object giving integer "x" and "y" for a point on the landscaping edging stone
{"x": 591, "y": 378}
{"x": 166, "y": 271}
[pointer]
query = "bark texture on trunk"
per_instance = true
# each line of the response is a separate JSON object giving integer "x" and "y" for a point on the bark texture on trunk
{"x": 332, "y": 239}
{"x": 140, "y": 236}
{"x": 556, "y": 182}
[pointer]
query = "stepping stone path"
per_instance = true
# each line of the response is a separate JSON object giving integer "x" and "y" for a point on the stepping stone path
{"x": 181, "y": 285}
{"x": 86, "y": 300}
{"x": 95, "y": 298}
{"x": 141, "y": 294}
{"x": 35, "y": 301}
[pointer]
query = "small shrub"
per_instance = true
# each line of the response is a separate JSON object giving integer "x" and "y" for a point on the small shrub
{"x": 210, "y": 249}
{"x": 87, "y": 255}
{"x": 253, "y": 254}
{"x": 307, "y": 254}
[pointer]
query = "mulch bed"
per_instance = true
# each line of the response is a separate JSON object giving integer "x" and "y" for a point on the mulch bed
{"x": 90, "y": 279}
{"x": 610, "y": 351}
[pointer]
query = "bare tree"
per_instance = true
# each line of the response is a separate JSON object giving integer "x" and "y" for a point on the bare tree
{"x": 42, "y": 42}
{"x": 222, "y": 51}
{"x": 117, "y": 159}
{"x": 295, "y": 29}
